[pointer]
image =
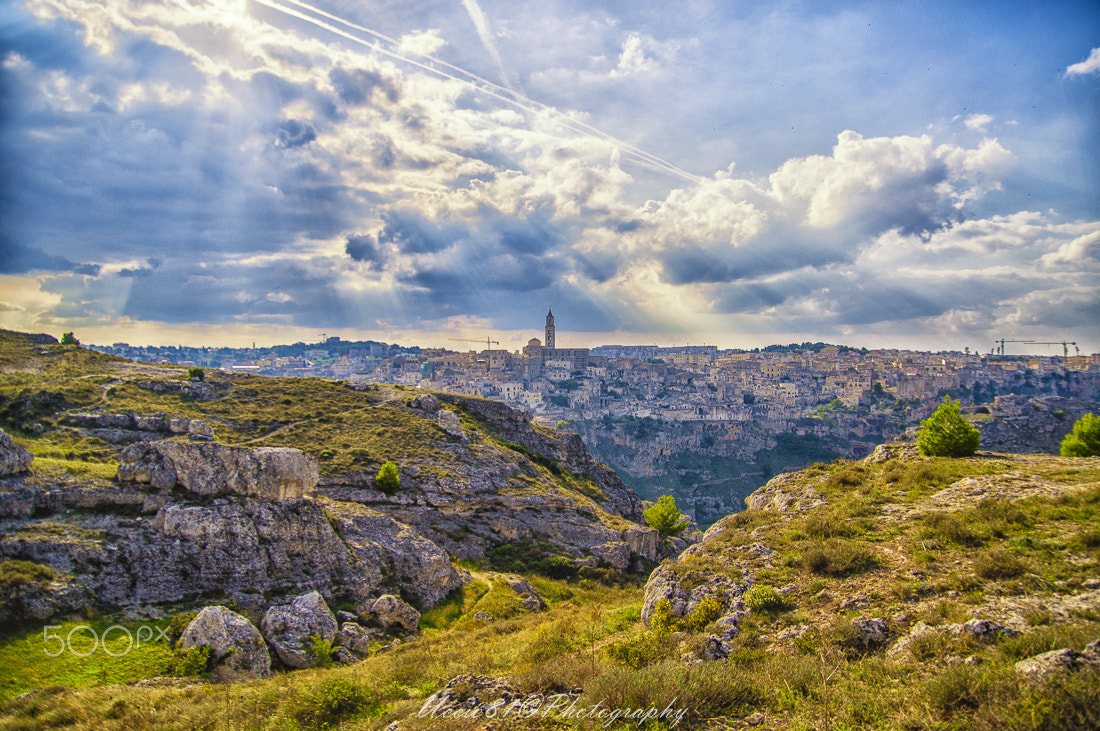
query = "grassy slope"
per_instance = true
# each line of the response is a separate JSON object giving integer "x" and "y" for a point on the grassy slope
{"x": 875, "y": 541}
{"x": 347, "y": 431}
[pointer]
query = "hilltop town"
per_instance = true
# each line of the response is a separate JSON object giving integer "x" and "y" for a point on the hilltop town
{"x": 708, "y": 425}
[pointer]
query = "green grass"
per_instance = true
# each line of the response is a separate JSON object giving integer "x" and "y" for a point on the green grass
{"x": 26, "y": 664}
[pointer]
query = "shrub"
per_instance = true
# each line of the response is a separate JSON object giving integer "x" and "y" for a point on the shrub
{"x": 838, "y": 557}
{"x": 388, "y": 479}
{"x": 69, "y": 339}
{"x": 17, "y": 573}
{"x": 764, "y": 598}
{"x": 196, "y": 374}
{"x": 192, "y": 662}
{"x": 320, "y": 650}
{"x": 665, "y": 517}
{"x": 946, "y": 434}
{"x": 640, "y": 651}
{"x": 705, "y": 612}
{"x": 329, "y": 704}
{"x": 999, "y": 564}
{"x": 663, "y": 620}
{"x": 1084, "y": 440}
{"x": 178, "y": 625}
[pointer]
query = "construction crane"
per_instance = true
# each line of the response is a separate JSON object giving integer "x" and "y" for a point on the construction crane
{"x": 1065, "y": 346}
{"x": 488, "y": 349}
{"x": 1002, "y": 342}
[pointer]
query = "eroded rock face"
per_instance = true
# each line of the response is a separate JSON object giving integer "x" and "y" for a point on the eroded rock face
{"x": 236, "y": 647}
{"x": 410, "y": 561}
{"x": 242, "y": 548}
{"x": 214, "y": 469}
{"x": 14, "y": 459}
{"x": 291, "y": 629}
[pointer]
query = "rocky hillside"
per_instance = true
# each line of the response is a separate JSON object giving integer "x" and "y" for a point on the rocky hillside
{"x": 152, "y": 485}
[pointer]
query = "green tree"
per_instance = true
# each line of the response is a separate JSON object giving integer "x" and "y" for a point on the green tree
{"x": 1084, "y": 440}
{"x": 69, "y": 339}
{"x": 665, "y": 517}
{"x": 388, "y": 479}
{"x": 196, "y": 374}
{"x": 946, "y": 434}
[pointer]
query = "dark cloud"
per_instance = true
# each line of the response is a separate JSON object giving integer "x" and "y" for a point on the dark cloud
{"x": 783, "y": 249}
{"x": 358, "y": 86}
{"x": 182, "y": 292}
{"x": 412, "y": 234}
{"x": 294, "y": 133}
{"x": 17, "y": 258}
{"x": 364, "y": 248}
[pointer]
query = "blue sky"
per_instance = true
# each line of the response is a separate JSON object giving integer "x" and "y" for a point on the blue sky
{"x": 881, "y": 174}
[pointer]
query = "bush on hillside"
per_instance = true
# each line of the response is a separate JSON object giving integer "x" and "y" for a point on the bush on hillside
{"x": 1084, "y": 440}
{"x": 946, "y": 434}
{"x": 388, "y": 479}
{"x": 665, "y": 517}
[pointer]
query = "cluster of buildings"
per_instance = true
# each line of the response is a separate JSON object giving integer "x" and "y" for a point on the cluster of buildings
{"x": 690, "y": 383}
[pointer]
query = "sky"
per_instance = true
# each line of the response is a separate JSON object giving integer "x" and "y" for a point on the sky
{"x": 878, "y": 174}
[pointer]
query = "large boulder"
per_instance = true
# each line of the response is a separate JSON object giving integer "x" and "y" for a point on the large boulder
{"x": 13, "y": 458}
{"x": 237, "y": 650}
{"x": 208, "y": 470}
{"x": 391, "y": 611}
{"x": 292, "y": 629}
{"x": 645, "y": 542}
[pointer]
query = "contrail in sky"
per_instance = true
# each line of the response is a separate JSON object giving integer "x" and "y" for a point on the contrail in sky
{"x": 482, "y": 25}
{"x": 455, "y": 73}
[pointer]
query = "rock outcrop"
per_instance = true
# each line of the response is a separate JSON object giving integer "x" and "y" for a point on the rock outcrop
{"x": 209, "y": 470}
{"x": 292, "y": 629}
{"x": 14, "y": 459}
{"x": 237, "y": 649}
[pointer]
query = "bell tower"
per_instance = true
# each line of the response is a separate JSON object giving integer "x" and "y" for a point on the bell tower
{"x": 549, "y": 342}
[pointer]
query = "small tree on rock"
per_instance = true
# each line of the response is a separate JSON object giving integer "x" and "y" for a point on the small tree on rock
{"x": 946, "y": 434}
{"x": 665, "y": 517}
{"x": 388, "y": 479}
{"x": 1084, "y": 440}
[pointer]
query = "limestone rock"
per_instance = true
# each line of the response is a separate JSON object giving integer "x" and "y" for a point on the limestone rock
{"x": 484, "y": 617}
{"x": 391, "y": 611}
{"x": 869, "y": 632}
{"x": 893, "y": 450}
{"x": 1055, "y": 661}
{"x": 290, "y": 629}
{"x": 426, "y": 402}
{"x": 528, "y": 594}
{"x": 236, "y": 647}
{"x": 13, "y": 458}
{"x": 646, "y": 542}
{"x": 213, "y": 469}
{"x": 354, "y": 638}
{"x": 448, "y": 421}
{"x": 615, "y": 554}
{"x": 785, "y": 493}
{"x": 408, "y": 560}
{"x": 343, "y": 656}
{"x": 983, "y": 630}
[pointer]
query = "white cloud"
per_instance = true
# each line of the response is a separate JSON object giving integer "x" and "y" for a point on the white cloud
{"x": 979, "y": 122}
{"x": 1090, "y": 65}
{"x": 423, "y": 43}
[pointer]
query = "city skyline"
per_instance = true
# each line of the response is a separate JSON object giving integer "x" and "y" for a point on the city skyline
{"x": 873, "y": 174}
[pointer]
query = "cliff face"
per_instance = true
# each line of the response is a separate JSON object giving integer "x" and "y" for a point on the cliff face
{"x": 254, "y": 488}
